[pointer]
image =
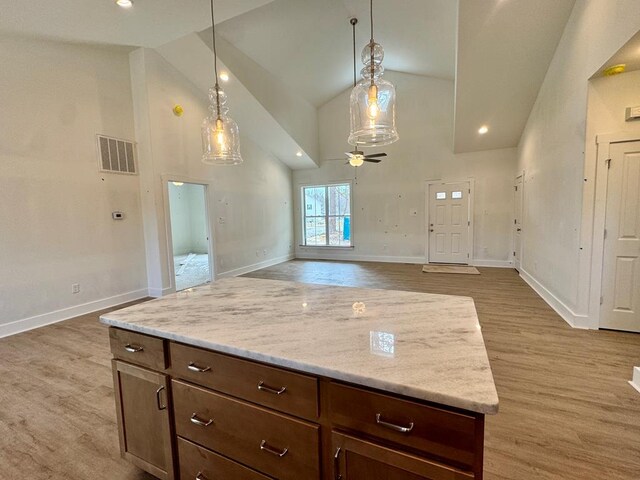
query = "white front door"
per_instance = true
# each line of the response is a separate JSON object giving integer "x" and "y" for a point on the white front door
{"x": 449, "y": 222}
{"x": 620, "y": 308}
{"x": 517, "y": 222}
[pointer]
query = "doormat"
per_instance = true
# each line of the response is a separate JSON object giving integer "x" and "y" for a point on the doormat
{"x": 464, "y": 269}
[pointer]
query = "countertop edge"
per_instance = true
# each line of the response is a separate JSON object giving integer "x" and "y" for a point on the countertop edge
{"x": 485, "y": 408}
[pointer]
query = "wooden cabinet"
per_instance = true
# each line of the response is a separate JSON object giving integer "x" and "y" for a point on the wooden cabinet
{"x": 208, "y": 415}
{"x": 143, "y": 406}
{"x": 357, "y": 459}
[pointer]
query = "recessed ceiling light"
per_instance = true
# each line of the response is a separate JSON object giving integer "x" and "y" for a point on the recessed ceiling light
{"x": 124, "y": 3}
{"x": 483, "y": 129}
{"x": 298, "y": 154}
{"x": 224, "y": 76}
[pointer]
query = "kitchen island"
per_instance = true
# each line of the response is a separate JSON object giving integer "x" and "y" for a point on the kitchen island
{"x": 249, "y": 378}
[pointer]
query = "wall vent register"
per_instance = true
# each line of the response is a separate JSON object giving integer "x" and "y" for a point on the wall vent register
{"x": 116, "y": 155}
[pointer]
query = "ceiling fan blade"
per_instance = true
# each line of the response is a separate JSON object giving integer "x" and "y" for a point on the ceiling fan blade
{"x": 375, "y": 155}
{"x": 349, "y": 154}
{"x": 333, "y": 159}
{"x": 372, "y": 160}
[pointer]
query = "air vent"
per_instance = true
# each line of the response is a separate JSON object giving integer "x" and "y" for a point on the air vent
{"x": 116, "y": 155}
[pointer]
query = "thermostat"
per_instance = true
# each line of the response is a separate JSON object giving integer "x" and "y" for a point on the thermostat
{"x": 117, "y": 215}
{"x": 632, "y": 113}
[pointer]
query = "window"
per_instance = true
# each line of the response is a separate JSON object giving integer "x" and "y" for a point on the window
{"x": 327, "y": 215}
{"x": 456, "y": 195}
{"x": 441, "y": 195}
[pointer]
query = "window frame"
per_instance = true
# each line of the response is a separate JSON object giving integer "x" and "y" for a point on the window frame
{"x": 326, "y": 216}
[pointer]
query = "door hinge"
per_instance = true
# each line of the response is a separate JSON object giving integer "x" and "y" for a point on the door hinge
{"x": 601, "y": 300}
{"x": 468, "y": 223}
{"x": 608, "y": 162}
{"x": 516, "y": 187}
{"x": 514, "y": 254}
{"x": 469, "y": 191}
{"x": 467, "y": 255}
{"x": 605, "y": 233}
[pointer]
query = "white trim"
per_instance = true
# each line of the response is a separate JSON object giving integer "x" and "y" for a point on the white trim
{"x": 568, "y": 315}
{"x": 471, "y": 227}
{"x": 208, "y": 197}
{"x": 492, "y": 263}
{"x": 635, "y": 382}
{"x": 351, "y": 257}
{"x": 37, "y": 321}
{"x": 618, "y": 137}
{"x": 521, "y": 175}
{"x": 255, "y": 266}
{"x": 599, "y": 219}
{"x": 160, "y": 292}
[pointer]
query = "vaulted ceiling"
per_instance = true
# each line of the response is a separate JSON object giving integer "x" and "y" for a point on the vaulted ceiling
{"x": 496, "y": 51}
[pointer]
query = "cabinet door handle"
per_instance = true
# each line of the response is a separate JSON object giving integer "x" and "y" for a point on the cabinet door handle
{"x": 202, "y": 423}
{"x": 133, "y": 348}
{"x": 266, "y": 448}
{"x": 393, "y": 426}
{"x": 158, "y": 401}
{"x": 195, "y": 368}
{"x": 200, "y": 476}
{"x": 264, "y": 388}
{"x": 336, "y": 464}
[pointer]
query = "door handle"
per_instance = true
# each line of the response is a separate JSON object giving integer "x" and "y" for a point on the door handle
{"x": 518, "y": 229}
{"x": 158, "y": 400}
{"x": 431, "y": 229}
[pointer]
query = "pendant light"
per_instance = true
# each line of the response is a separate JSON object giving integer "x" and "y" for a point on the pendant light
{"x": 220, "y": 135}
{"x": 373, "y": 101}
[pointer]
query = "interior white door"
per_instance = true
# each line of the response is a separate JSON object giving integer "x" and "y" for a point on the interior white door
{"x": 517, "y": 222}
{"x": 449, "y": 222}
{"x": 620, "y": 308}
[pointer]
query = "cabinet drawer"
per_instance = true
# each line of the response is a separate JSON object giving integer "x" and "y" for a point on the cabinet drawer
{"x": 138, "y": 348}
{"x": 274, "y": 444}
{"x": 445, "y": 434}
{"x": 272, "y": 387}
{"x": 198, "y": 462}
{"x": 356, "y": 459}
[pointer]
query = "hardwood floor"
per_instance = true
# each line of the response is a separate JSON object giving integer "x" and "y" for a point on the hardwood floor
{"x": 566, "y": 409}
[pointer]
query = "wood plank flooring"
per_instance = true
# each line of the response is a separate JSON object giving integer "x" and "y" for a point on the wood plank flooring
{"x": 566, "y": 409}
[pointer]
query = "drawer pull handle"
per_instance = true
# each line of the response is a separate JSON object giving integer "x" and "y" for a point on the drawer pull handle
{"x": 133, "y": 348}
{"x": 202, "y": 423}
{"x": 336, "y": 464}
{"x": 264, "y": 388}
{"x": 200, "y": 476}
{"x": 194, "y": 368}
{"x": 266, "y": 448}
{"x": 158, "y": 401}
{"x": 392, "y": 426}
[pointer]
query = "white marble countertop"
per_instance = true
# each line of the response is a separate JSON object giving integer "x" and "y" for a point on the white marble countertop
{"x": 424, "y": 346}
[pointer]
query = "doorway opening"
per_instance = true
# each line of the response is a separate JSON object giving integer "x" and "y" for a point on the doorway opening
{"x": 518, "y": 187}
{"x": 189, "y": 234}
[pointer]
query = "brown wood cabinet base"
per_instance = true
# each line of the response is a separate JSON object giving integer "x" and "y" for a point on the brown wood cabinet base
{"x": 207, "y": 415}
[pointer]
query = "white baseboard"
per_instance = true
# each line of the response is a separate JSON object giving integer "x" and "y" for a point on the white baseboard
{"x": 30, "y": 323}
{"x": 255, "y": 266}
{"x": 492, "y": 263}
{"x": 574, "y": 319}
{"x": 351, "y": 257}
{"x": 159, "y": 292}
{"x": 635, "y": 382}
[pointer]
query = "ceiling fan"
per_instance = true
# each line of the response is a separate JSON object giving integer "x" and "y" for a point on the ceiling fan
{"x": 356, "y": 157}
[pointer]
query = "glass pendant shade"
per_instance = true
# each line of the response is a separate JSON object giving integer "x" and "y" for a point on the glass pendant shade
{"x": 373, "y": 103}
{"x": 220, "y": 135}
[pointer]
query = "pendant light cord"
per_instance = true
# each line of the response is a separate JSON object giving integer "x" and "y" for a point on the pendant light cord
{"x": 372, "y": 43}
{"x": 353, "y": 22}
{"x": 215, "y": 61}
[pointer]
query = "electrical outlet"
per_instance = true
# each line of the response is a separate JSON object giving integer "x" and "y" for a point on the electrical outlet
{"x": 264, "y": 252}
{"x": 75, "y": 288}
{"x": 221, "y": 220}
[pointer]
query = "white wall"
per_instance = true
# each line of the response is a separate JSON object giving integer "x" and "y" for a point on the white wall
{"x": 188, "y": 218}
{"x": 558, "y": 202}
{"x": 56, "y": 227}
{"x": 250, "y": 207}
{"x": 387, "y": 192}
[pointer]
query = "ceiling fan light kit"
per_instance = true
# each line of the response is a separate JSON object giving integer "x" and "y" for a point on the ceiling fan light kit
{"x": 220, "y": 134}
{"x": 372, "y": 103}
